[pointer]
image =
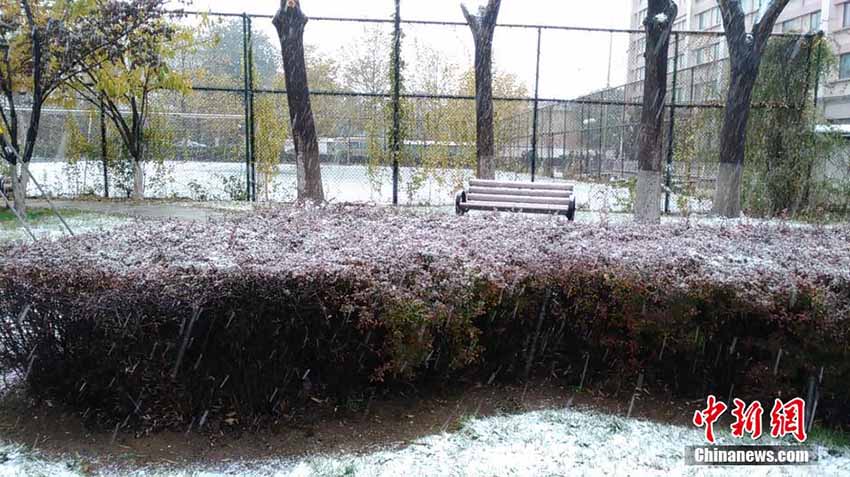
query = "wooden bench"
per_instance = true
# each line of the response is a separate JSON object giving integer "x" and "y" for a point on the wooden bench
{"x": 527, "y": 197}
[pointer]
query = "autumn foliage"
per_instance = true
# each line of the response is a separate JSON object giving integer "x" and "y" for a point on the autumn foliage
{"x": 164, "y": 324}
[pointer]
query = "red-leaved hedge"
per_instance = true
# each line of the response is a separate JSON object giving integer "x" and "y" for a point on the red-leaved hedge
{"x": 162, "y": 324}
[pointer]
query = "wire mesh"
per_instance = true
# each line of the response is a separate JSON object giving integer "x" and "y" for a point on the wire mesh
{"x": 229, "y": 137}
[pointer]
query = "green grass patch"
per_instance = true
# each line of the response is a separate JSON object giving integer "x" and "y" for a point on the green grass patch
{"x": 7, "y": 217}
{"x": 830, "y": 437}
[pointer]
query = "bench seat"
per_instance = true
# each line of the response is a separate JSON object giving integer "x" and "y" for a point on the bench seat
{"x": 524, "y": 197}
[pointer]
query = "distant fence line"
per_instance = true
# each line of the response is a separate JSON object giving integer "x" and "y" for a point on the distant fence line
{"x": 591, "y": 134}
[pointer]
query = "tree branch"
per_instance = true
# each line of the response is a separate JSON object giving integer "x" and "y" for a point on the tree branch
{"x": 37, "y": 71}
{"x": 289, "y": 16}
{"x": 111, "y": 110}
{"x": 764, "y": 26}
{"x": 492, "y": 12}
{"x": 733, "y": 23}
{"x": 7, "y": 86}
{"x": 472, "y": 20}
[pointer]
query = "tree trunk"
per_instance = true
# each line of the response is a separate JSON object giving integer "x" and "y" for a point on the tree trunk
{"x": 289, "y": 22}
{"x": 138, "y": 180}
{"x": 745, "y": 53}
{"x": 660, "y": 17}
{"x": 733, "y": 136}
{"x": 483, "y": 26}
{"x": 20, "y": 181}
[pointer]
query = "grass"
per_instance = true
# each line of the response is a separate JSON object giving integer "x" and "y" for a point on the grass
{"x": 44, "y": 223}
{"x": 831, "y": 438}
{"x": 6, "y": 215}
{"x": 8, "y": 218}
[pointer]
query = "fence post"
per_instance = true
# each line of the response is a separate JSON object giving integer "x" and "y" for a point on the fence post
{"x": 246, "y": 88}
{"x": 550, "y": 165}
{"x": 582, "y": 152}
{"x": 603, "y": 124}
{"x": 819, "y": 37}
{"x": 253, "y": 135}
{"x": 568, "y": 163}
{"x": 395, "y": 145}
{"x": 103, "y": 150}
{"x": 623, "y": 130}
{"x": 673, "y": 99}
{"x": 536, "y": 104}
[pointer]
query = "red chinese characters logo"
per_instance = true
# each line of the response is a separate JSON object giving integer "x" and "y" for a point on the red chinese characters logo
{"x": 785, "y": 419}
{"x": 789, "y": 418}
{"x": 708, "y": 416}
{"x": 747, "y": 419}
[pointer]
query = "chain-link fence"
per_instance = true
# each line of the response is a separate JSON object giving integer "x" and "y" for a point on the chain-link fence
{"x": 563, "y": 111}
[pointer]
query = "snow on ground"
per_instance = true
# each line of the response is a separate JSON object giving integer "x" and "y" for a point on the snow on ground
{"x": 543, "y": 443}
{"x": 351, "y": 183}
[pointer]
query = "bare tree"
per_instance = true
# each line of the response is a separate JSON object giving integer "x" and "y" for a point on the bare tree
{"x": 660, "y": 16}
{"x": 289, "y": 22}
{"x": 483, "y": 25}
{"x": 745, "y": 54}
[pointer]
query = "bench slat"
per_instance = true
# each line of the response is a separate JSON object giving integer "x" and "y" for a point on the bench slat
{"x": 520, "y": 192}
{"x": 518, "y": 199}
{"x": 520, "y": 185}
{"x": 515, "y": 207}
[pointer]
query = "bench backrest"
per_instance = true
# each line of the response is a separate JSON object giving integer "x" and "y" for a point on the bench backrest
{"x": 519, "y": 192}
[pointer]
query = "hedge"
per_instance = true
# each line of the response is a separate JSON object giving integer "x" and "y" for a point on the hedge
{"x": 162, "y": 325}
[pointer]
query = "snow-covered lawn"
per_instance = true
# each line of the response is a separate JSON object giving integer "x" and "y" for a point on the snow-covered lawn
{"x": 210, "y": 181}
{"x": 542, "y": 443}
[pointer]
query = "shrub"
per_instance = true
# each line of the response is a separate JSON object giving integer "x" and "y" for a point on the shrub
{"x": 163, "y": 324}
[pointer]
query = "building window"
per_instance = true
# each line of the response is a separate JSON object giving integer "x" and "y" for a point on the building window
{"x": 641, "y": 16}
{"x": 671, "y": 63}
{"x": 709, "y": 18}
{"x": 697, "y": 94}
{"x": 846, "y": 18}
{"x": 844, "y": 66}
{"x": 814, "y": 21}
{"x": 751, "y": 6}
{"x": 708, "y": 54}
{"x": 790, "y": 25}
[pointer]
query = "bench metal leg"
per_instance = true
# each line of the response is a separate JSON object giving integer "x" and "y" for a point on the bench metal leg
{"x": 460, "y": 198}
{"x": 571, "y": 212}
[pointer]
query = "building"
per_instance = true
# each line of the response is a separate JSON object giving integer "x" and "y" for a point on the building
{"x": 701, "y": 57}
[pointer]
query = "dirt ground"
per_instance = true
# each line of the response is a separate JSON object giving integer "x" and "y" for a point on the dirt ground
{"x": 385, "y": 423}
